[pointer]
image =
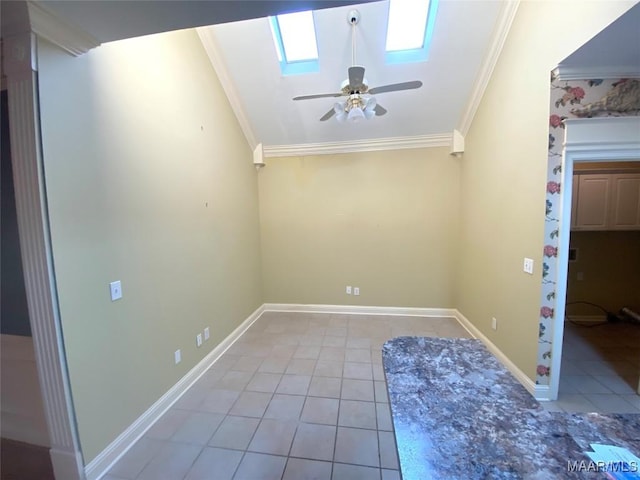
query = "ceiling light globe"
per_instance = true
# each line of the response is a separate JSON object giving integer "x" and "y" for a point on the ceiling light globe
{"x": 355, "y": 114}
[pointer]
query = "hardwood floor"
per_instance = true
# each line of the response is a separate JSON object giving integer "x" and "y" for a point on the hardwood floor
{"x": 22, "y": 461}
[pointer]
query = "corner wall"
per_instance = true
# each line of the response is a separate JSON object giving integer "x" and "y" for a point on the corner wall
{"x": 504, "y": 172}
{"x": 149, "y": 181}
{"x": 386, "y": 222}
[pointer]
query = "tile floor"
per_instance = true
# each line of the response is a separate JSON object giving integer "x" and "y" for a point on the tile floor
{"x": 303, "y": 396}
{"x": 600, "y": 369}
{"x": 298, "y": 396}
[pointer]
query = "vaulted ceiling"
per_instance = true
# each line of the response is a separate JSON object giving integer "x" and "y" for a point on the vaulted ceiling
{"x": 462, "y": 38}
{"x": 467, "y": 38}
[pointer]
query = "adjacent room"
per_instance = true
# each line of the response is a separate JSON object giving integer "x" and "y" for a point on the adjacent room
{"x": 239, "y": 229}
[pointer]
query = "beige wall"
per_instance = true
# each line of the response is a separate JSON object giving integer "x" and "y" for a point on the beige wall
{"x": 383, "y": 221}
{"x": 609, "y": 263}
{"x": 150, "y": 181}
{"x": 504, "y": 174}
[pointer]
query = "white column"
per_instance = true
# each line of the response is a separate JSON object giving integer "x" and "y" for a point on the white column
{"x": 33, "y": 226}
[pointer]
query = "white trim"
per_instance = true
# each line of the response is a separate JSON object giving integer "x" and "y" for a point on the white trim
{"x": 116, "y": 449}
{"x": 564, "y": 72}
{"x": 48, "y": 25}
{"x": 603, "y": 139}
{"x": 522, "y": 377}
{"x": 371, "y": 145}
{"x": 360, "y": 310}
{"x": 37, "y": 257}
{"x": 217, "y": 61}
{"x": 500, "y": 32}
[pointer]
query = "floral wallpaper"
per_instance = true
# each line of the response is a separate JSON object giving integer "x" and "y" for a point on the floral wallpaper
{"x": 571, "y": 99}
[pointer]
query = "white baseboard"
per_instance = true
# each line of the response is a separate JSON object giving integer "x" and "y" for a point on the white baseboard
{"x": 116, "y": 449}
{"x": 522, "y": 377}
{"x": 66, "y": 464}
{"x": 360, "y": 310}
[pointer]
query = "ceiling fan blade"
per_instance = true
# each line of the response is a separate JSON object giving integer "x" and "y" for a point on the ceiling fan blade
{"x": 380, "y": 110}
{"x": 356, "y": 77}
{"x": 396, "y": 87}
{"x": 319, "y": 95}
{"x": 328, "y": 115}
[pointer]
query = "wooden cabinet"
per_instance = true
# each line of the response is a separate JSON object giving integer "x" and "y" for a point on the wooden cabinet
{"x": 606, "y": 202}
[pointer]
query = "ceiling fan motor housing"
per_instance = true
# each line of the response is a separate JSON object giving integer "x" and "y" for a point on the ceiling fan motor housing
{"x": 353, "y": 17}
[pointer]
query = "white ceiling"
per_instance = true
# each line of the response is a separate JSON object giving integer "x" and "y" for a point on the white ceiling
{"x": 461, "y": 39}
{"x": 615, "y": 51}
{"x": 467, "y": 39}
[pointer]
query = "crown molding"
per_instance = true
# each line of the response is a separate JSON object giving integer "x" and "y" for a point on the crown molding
{"x": 371, "y": 145}
{"x": 49, "y": 26}
{"x": 564, "y": 72}
{"x": 500, "y": 32}
{"x": 215, "y": 56}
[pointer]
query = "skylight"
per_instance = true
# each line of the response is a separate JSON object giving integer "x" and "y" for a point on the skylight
{"x": 409, "y": 29}
{"x": 294, "y": 36}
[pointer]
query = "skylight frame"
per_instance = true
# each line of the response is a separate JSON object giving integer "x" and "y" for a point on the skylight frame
{"x": 421, "y": 54}
{"x": 293, "y": 67}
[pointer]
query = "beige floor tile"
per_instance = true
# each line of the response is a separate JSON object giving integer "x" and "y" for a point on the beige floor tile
{"x": 357, "y": 390}
{"x": 575, "y": 402}
{"x": 308, "y": 352}
{"x": 283, "y": 351}
{"x": 357, "y": 371}
{"x": 198, "y": 428}
{"x": 358, "y": 355}
{"x": 329, "y": 368}
{"x": 285, "y": 407}
{"x": 274, "y": 365}
{"x": 617, "y": 384}
{"x": 132, "y": 463}
{"x": 311, "y": 339}
{"x": 218, "y": 401}
{"x": 192, "y": 398}
{"x": 314, "y": 442}
{"x": 381, "y": 393}
{"x": 320, "y": 410}
{"x": 357, "y": 414}
{"x": 251, "y": 404}
{"x": 294, "y": 384}
{"x": 388, "y": 451}
{"x": 301, "y": 366}
{"x": 264, "y": 382}
{"x": 234, "y": 380}
{"x": 247, "y": 364}
{"x": 301, "y": 469}
{"x": 327, "y": 387}
{"x": 611, "y": 403}
{"x": 390, "y": 474}
{"x": 167, "y": 425}
{"x": 354, "y": 472}
{"x": 332, "y": 353}
{"x": 258, "y": 466}
{"x": 358, "y": 342}
{"x": 234, "y": 433}
{"x": 215, "y": 462}
{"x": 273, "y": 436}
{"x": 383, "y": 417}
{"x": 171, "y": 463}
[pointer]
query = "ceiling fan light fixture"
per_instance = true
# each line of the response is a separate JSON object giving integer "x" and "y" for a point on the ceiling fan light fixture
{"x": 355, "y": 114}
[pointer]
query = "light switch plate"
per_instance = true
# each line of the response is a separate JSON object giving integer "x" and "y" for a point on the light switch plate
{"x": 177, "y": 356}
{"x": 528, "y": 266}
{"x": 348, "y": 290}
{"x": 356, "y": 290}
{"x": 206, "y": 334}
{"x": 116, "y": 290}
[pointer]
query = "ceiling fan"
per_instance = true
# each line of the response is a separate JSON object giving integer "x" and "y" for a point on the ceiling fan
{"x": 360, "y": 103}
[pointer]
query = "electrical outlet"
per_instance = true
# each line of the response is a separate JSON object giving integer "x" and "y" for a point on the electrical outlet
{"x": 116, "y": 290}
{"x": 528, "y": 266}
{"x": 206, "y": 334}
{"x": 494, "y": 323}
{"x": 348, "y": 289}
{"x": 177, "y": 356}
{"x": 199, "y": 340}
{"x": 356, "y": 290}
